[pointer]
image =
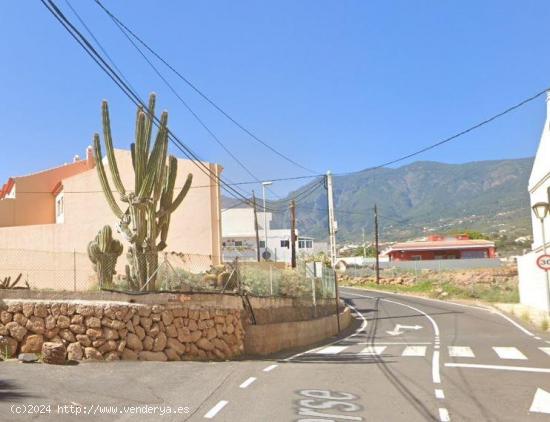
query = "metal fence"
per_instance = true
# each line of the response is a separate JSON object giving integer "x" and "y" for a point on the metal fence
{"x": 175, "y": 272}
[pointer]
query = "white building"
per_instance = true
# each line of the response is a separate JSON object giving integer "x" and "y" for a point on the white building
{"x": 239, "y": 237}
{"x": 532, "y": 279}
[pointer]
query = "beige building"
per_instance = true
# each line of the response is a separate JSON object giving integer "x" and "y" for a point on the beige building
{"x": 47, "y": 219}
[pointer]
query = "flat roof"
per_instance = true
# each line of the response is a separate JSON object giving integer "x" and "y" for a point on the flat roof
{"x": 441, "y": 245}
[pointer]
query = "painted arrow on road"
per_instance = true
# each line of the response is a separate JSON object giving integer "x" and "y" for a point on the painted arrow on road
{"x": 398, "y": 327}
{"x": 541, "y": 402}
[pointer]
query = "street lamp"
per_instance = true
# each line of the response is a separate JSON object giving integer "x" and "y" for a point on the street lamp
{"x": 264, "y": 185}
{"x": 541, "y": 209}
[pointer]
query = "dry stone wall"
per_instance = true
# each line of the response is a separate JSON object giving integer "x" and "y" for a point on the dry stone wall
{"x": 93, "y": 330}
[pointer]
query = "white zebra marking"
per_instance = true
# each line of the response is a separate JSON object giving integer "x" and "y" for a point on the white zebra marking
{"x": 509, "y": 353}
{"x": 461, "y": 352}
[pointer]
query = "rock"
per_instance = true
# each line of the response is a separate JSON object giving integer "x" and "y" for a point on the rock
{"x": 155, "y": 330}
{"x": 85, "y": 310}
{"x": 40, "y": 310}
{"x": 92, "y": 353}
{"x": 167, "y": 317}
{"x": 144, "y": 311}
{"x": 148, "y": 343}
{"x": 32, "y": 344}
{"x": 16, "y": 307}
{"x": 204, "y": 344}
{"x": 129, "y": 354}
{"x": 211, "y": 333}
{"x": 230, "y": 329}
{"x": 53, "y": 353}
{"x": 94, "y": 333}
{"x": 84, "y": 340}
{"x": 152, "y": 356}
{"x": 5, "y": 317}
{"x": 77, "y": 328}
{"x": 195, "y": 335}
{"x": 98, "y": 343}
{"x": 133, "y": 342}
{"x": 121, "y": 346}
{"x": 108, "y": 346}
{"x": 20, "y": 319}
{"x": 74, "y": 351}
{"x": 160, "y": 342}
{"x": 35, "y": 325}
{"x": 171, "y": 331}
{"x": 93, "y": 322}
{"x": 63, "y": 321}
{"x": 157, "y": 309}
{"x": 16, "y": 331}
{"x": 28, "y": 309}
{"x": 174, "y": 344}
{"x": 172, "y": 355}
{"x": 193, "y": 325}
{"x": 50, "y": 322}
{"x": 140, "y": 332}
{"x": 110, "y": 334}
{"x": 77, "y": 319}
{"x": 146, "y": 323}
{"x": 111, "y": 356}
{"x": 49, "y": 334}
{"x": 27, "y": 357}
{"x": 67, "y": 335}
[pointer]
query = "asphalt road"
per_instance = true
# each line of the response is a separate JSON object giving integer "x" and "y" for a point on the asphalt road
{"x": 406, "y": 359}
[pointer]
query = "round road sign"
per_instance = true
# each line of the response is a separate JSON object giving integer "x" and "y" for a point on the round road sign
{"x": 543, "y": 262}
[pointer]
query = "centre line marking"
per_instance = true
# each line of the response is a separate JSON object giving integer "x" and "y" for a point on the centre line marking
{"x": 270, "y": 368}
{"x": 214, "y": 411}
{"x": 499, "y": 367}
{"x": 436, "y": 377}
{"x": 439, "y": 394}
{"x": 444, "y": 415}
{"x": 247, "y": 382}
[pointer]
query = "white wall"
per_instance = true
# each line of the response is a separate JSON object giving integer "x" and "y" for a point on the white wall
{"x": 532, "y": 280}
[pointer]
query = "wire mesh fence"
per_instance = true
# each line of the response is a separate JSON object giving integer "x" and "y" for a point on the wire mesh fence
{"x": 164, "y": 272}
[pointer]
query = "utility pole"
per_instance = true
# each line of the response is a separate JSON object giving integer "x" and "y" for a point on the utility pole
{"x": 332, "y": 225}
{"x": 266, "y": 253}
{"x": 256, "y": 227}
{"x": 376, "y": 244}
{"x": 293, "y": 233}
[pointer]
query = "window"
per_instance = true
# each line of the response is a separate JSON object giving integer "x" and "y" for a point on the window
{"x": 305, "y": 244}
{"x": 59, "y": 209}
{"x": 416, "y": 258}
{"x": 238, "y": 242}
{"x": 285, "y": 244}
{"x": 262, "y": 243}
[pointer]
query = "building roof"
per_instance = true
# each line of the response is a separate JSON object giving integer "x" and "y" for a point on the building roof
{"x": 446, "y": 244}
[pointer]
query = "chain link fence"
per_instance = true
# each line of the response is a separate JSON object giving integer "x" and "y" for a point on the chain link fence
{"x": 165, "y": 272}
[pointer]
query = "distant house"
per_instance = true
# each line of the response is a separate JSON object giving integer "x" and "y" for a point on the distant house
{"x": 239, "y": 237}
{"x": 441, "y": 247}
{"x": 47, "y": 219}
{"x": 532, "y": 279}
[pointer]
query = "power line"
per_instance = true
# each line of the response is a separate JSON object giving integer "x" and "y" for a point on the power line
{"x": 127, "y": 31}
{"x": 92, "y": 52}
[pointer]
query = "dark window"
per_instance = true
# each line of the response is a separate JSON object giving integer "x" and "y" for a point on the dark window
{"x": 262, "y": 243}
{"x": 285, "y": 244}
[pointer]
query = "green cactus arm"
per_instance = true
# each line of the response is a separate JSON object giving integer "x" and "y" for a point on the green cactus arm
{"x": 110, "y": 150}
{"x": 133, "y": 155}
{"x": 161, "y": 170}
{"x": 103, "y": 178}
{"x": 93, "y": 251}
{"x": 181, "y": 195}
{"x": 153, "y": 163}
{"x": 149, "y": 120}
{"x": 140, "y": 153}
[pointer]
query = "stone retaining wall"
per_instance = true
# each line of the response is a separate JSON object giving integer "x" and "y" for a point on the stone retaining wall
{"x": 102, "y": 330}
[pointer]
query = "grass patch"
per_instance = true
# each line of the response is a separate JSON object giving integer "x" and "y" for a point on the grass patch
{"x": 448, "y": 290}
{"x": 544, "y": 325}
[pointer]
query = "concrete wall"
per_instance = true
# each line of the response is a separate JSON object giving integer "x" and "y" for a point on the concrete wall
{"x": 270, "y": 338}
{"x": 532, "y": 281}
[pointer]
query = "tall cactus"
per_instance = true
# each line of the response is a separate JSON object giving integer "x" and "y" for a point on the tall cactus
{"x": 104, "y": 251}
{"x": 151, "y": 203}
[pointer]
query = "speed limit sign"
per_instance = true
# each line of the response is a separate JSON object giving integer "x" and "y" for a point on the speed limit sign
{"x": 543, "y": 262}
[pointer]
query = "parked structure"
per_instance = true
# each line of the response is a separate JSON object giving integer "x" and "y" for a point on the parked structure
{"x": 239, "y": 237}
{"x": 441, "y": 247}
{"x": 60, "y": 210}
{"x": 533, "y": 281}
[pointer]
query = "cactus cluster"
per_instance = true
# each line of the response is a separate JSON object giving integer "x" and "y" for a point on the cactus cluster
{"x": 8, "y": 284}
{"x": 104, "y": 251}
{"x": 146, "y": 220}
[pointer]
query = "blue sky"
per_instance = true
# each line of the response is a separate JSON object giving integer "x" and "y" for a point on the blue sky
{"x": 336, "y": 85}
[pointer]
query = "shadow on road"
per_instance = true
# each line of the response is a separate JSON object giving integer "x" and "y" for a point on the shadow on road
{"x": 9, "y": 390}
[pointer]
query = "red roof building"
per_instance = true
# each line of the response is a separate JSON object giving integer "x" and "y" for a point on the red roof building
{"x": 441, "y": 247}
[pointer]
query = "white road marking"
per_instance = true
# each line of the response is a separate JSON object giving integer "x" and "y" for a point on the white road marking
{"x": 439, "y": 394}
{"x": 461, "y": 352}
{"x": 436, "y": 377}
{"x": 444, "y": 415}
{"x": 371, "y": 351}
{"x": 398, "y": 327}
{"x": 509, "y": 353}
{"x": 214, "y": 411}
{"x": 414, "y": 351}
{"x": 247, "y": 382}
{"x": 537, "y": 338}
{"x": 362, "y": 328}
{"x": 499, "y": 367}
{"x": 479, "y": 308}
{"x": 541, "y": 402}
{"x": 545, "y": 350}
{"x": 331, "y": 350}
{"x": 435, "y": 361}
{"x": 270, "y": 368}
{"x": 407, "y": 343}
